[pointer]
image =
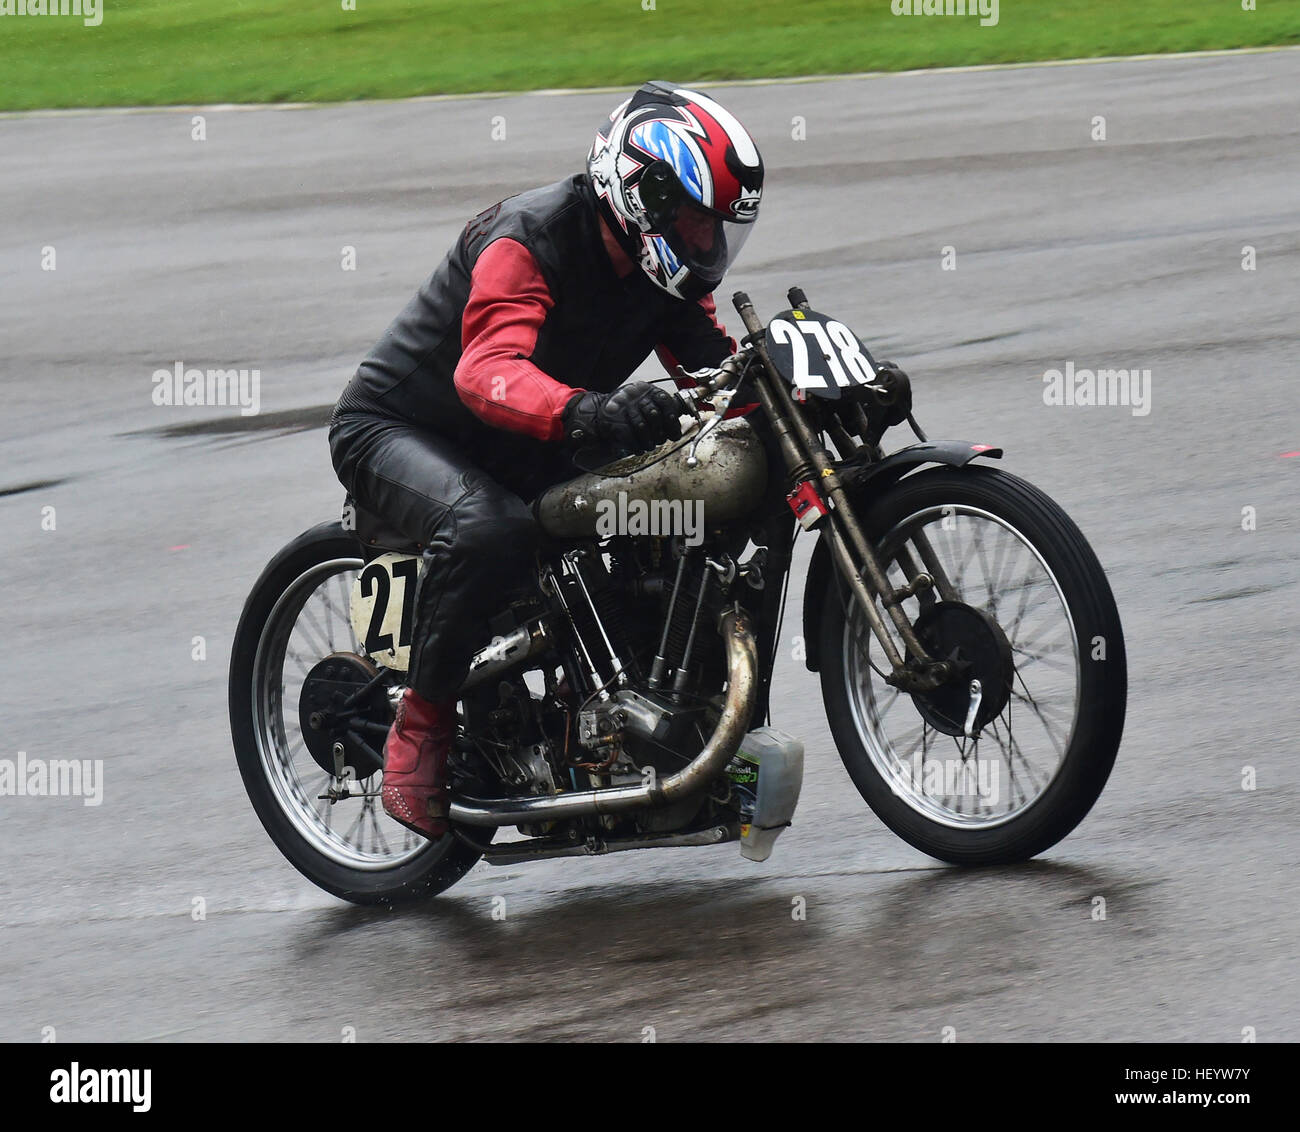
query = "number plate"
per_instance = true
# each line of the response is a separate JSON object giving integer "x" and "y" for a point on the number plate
{"x": 817, "y": 354}
{"x": 383, "y": 608}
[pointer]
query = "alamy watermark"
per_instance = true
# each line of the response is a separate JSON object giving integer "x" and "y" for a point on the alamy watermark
{"x": 90, "y": 11}
{"x": 660, "y": 518}
{"x": 76, "y": 1085}
{"x": 1072, "y": 386}
{"x": 987, "y": 10}
{"x": 949, "y": 778}
{"x": 181, "y": 386}
{"x": 59, "y": 778}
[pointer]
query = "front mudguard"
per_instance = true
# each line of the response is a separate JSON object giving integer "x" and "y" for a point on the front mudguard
{"x": 866, "y": 484}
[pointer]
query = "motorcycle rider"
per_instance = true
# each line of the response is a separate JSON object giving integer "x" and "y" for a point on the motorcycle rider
{"x": 517, "y": 343}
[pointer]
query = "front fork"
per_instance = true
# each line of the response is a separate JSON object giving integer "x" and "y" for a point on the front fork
{"x": 807, "y": 460}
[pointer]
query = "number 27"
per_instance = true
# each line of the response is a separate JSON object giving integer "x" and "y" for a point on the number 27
{"x": 375, "y": 578}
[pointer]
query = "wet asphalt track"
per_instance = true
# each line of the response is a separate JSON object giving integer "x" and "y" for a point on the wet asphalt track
{"x": 1120, "y": 253}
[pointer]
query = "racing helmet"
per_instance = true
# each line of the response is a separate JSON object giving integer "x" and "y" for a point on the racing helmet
{"x": 678, "y": 180}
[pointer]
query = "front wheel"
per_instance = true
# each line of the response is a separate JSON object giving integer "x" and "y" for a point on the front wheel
{"x": 1008, "y": 758}
{"x": 299, "y": 684}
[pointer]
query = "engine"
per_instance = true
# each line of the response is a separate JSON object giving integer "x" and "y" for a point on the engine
{"x": 625, "y": 633}
{"x": 645, "y": 613}
{"x": 639, "y": 688}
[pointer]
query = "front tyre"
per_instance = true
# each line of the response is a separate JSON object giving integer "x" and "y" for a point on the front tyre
{"x": 1020, "y": 601}
{"x": 295, "y": 659}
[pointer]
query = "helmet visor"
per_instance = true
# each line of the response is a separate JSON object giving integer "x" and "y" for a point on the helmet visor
{"x": 705, "y": 243}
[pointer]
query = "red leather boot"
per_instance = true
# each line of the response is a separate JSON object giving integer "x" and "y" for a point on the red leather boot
{"x": 415, "y": 764}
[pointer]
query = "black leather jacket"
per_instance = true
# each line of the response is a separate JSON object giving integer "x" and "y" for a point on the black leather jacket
{"x": 547, "y": 315}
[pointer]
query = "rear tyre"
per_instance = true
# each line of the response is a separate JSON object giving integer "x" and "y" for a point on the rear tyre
{"x": 296, "y": 615}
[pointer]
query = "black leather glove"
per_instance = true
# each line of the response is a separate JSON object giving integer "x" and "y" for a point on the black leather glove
{"x": 635, "y": 417}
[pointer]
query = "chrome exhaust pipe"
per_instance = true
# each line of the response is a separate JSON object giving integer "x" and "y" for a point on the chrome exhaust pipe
{"x": 506, "y": 652}
{"x": 742, "y": 685}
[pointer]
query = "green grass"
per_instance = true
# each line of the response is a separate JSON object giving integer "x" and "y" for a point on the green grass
{"x": 160, "y": 52}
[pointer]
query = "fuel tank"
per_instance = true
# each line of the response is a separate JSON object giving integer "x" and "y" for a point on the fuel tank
{"x": 727, "y": 483}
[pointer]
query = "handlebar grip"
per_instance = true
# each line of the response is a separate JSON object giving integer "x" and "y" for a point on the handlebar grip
{"x": 797, "y": 297}
{"x": 745, "y": 309}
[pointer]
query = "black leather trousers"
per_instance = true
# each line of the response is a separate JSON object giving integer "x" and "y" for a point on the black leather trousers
{"x": 480, "y": 536}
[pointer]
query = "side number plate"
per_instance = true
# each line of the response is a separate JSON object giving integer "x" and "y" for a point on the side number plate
{"x": 383, "y": 608}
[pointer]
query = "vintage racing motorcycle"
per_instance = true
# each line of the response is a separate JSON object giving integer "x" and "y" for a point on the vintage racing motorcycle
{"x": 970, "y": 653}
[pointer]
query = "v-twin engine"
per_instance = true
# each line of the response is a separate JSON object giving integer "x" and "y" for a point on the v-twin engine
{"x": 648, "y": 717}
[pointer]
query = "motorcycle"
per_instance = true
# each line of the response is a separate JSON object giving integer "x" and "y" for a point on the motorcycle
{"x": 970, "y": 654}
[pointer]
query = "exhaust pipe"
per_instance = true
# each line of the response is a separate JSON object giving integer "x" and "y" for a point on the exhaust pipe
{"x": 742, "y": 684}
{"x": 502, "y": 655}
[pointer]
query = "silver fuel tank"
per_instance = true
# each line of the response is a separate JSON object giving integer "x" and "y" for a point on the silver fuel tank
{"x": 727, "y": 482}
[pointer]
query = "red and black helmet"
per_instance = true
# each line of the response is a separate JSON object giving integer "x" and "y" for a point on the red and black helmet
{"x": 679, "y": 182}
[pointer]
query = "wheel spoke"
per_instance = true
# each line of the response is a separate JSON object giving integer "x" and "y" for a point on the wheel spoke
{"x": 893, "y": 699}
{"x": 374, "y": 822}
{"x": 1028, "y": 590}
{"x": 1037, "y": 709}
{"x": 961, "y": 569}
{"x": 344, "y": 588}
{"x": 1047, "y": 659}
{"x": 323, "y": 649}
{"x": 917, "y": 742}
{"x": 357, "y": 823}
{"x": 329, "y": 612}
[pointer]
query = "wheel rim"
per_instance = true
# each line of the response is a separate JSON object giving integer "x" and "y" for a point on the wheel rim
{"x": 954, "y": 781}
{"x": 310, "y": 620}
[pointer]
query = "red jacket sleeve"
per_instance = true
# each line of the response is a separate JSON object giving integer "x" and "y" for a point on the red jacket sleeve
{"x": 508, "y": 303}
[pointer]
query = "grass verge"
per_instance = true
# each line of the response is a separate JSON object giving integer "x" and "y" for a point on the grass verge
{"x": 160, "y": 52}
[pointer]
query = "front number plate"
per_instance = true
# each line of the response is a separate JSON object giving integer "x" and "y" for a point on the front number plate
{"x": 818, "y": 355}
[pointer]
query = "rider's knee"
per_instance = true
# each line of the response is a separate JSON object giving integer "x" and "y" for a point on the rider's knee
{"x": 495, "y": 535}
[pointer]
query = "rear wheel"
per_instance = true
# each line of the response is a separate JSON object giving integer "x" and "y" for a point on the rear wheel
{"x": 299, "y": 685}
{"x": 1023, "y": 608}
